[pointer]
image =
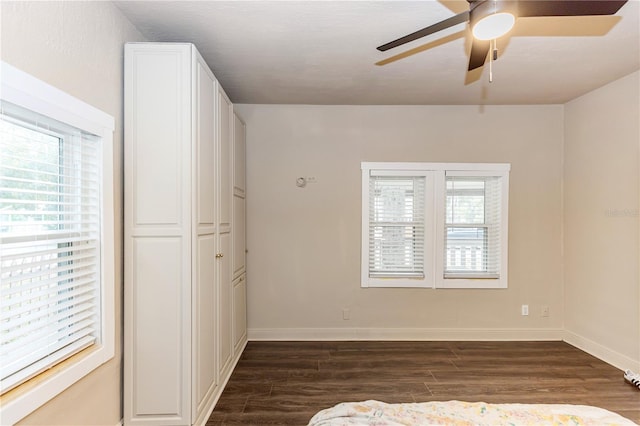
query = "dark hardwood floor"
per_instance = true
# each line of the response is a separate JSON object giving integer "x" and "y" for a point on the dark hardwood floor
{"x": 286, "y": 383}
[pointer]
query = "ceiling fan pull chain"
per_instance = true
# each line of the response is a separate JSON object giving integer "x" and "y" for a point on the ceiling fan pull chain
{"x": 491, "y": 63}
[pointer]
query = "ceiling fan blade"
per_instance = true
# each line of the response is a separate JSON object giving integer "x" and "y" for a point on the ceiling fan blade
{"x": 449, "y": 22}
{"x": 479, "y": 50}
{"x": 530, "y": 8}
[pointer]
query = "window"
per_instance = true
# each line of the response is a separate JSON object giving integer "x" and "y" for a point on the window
{"x": 434, "y": 225}
{"x": 396, "y": 228}
{"x": 56, "y": 239}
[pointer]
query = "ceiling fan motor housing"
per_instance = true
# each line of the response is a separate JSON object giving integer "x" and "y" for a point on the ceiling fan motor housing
{"x": 480, "y": 9}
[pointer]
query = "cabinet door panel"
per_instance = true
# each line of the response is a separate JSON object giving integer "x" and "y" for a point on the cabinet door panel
{"x": 160, "y": 328}
{"x": 225, "y": 302}
{"x": 224, "y": 163}
{"x": 157, "y": 137}
{"x": 205, "y": 147}
{"x": 205, "y": 327}
{"x": 239, "y": 149}
{"x": 239, "y": 235}
{"x": 239, "y": 311}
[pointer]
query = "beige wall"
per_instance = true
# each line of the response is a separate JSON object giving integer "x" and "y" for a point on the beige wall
{"x": 304, "y": 244}
{"x": 602, "y": 134}
{"x": 78, "y": 47}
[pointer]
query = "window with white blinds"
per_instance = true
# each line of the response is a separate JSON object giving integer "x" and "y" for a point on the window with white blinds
{"x": 50, "y": 256}
{"x": 396, "y": 226}
{"x": 434, "y": 225}
{"x": 57, "y": 273}
{"x": 472, "y": 226}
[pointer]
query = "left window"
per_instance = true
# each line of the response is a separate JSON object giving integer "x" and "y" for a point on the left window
{"x": 56, "y": 241}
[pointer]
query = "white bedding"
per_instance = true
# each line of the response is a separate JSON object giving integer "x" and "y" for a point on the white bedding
{"x": 458, "y": 413}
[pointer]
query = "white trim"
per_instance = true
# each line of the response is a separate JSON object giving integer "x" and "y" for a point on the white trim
{"x": 601, "y": 352}
{"x": 26, "y": 91}
{"x": 504, "y": 167}
{"x": 434, "y": 243}
{"x": 426, "y": 281}
{"x": 364, "y": 219}
{"x": 477, "y": 283}
{"x": 415, "y": 334}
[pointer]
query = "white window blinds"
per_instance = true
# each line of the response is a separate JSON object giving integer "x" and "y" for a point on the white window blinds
{"x": 396, "y": 226}
{"x": 472, "y": 226}
{"x": 49, "y": 247}
{"x": 435, "y": 225}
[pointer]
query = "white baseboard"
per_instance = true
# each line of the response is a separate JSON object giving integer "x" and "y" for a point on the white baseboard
{"x": 417, "y": 334}
{"x": 607, "y": 355}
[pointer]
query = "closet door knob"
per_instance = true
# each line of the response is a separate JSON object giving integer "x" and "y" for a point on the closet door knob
{"x": 219, "y": 255}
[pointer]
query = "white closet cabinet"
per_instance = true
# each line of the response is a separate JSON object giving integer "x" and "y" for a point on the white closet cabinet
{"x": 178, "y": 333}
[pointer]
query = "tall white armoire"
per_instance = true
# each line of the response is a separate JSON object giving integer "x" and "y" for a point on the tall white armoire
{"x": 184, "y": 311}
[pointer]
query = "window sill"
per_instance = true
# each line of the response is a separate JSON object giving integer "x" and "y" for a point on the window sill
{"x": 472, "y": 283}
{"x": 34, "y": 393}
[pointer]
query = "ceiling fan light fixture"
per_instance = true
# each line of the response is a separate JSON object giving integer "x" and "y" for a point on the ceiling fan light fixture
{"x": 493, "y": 26}
{"x": 491, "y": 19}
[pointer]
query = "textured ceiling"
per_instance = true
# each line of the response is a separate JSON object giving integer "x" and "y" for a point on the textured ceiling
{"x": 324, "y": 52}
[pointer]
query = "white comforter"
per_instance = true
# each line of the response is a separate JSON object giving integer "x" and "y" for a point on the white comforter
{"x": 458, "y": 413}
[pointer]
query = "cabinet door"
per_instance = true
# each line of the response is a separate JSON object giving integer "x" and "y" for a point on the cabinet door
{"x": 204, "y": 373}
{"x": 225, "y": 201}
{"x": 239, "y": 204}
{"x": 158, "y": 248}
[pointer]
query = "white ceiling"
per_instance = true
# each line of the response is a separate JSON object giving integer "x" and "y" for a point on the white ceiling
{"x": 324, "y": 52}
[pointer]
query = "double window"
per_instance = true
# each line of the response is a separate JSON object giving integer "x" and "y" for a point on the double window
{"x": 56, "y": 239}
{"x": 434, "y": 225}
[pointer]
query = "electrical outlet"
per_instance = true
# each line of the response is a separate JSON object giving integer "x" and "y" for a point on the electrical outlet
{"x": 545, "y": 311}
{"x": 346, "y": 314}
{"x": 525, "y": 310}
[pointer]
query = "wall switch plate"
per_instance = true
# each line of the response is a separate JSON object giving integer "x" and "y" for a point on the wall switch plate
{"x": 525, "y": 310}
{"x": 346, "y": 314}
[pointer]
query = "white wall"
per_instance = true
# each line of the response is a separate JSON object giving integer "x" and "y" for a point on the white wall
{"x": 602, "y": 137}
{"x": 78, "y": 47}
{"x": 304, "y": 244}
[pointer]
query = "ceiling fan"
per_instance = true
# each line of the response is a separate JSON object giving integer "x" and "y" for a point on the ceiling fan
{"x": 490, "y": 19}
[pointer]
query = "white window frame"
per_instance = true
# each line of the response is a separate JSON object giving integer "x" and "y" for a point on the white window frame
{"x": 435, "y": 232}
{"x": 30, "y": 93}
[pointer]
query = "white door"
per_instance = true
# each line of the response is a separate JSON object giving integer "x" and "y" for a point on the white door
{"x": 225, "y": 303}
{"x": 204, "y": 375}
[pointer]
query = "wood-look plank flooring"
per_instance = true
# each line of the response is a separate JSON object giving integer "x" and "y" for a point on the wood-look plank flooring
{"x": 286, "y": 383}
